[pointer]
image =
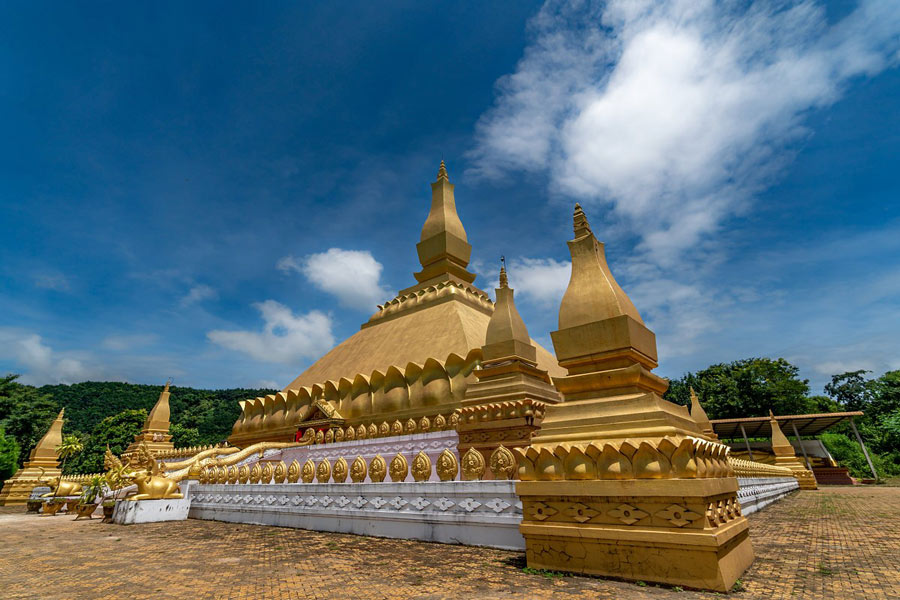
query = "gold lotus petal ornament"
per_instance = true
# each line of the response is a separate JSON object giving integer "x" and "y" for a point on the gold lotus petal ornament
{"x": 410, "y": 426}
{"x": 421, "y": 467}
{"x": 232, "y": 475}
{"x": 447, "y": 466}
{"x": 255, "y": 473}
{"x": 384, "y": 429}
{"x": 424, "y": 424}
{"x": 503, "y": 463}
{"x": 358, "y": 470}
{"x": 396, "y": 428}
{"x": 243, "y": 473}
{"x": 309, "y": 471}
{"x": 439, "y": 422}
{"x": 473, "y": 466}
{"x": 293, "y": 473}
{"x": 280, "y": 472}
{"x": 323, "y": 471}
{"x": 361, "y": 432}
{"x": 339, "y": 434}
{"x": 372, "y": 430}
{"x": 339, "y": 472}
{"x": 267, "y": 472}
{"x": 399, "y": 468}
{"x": 377, "y": 469}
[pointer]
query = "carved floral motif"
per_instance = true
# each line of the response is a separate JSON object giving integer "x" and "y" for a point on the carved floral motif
{"x": 339, "y": 473}
{"x": 358, "y": 470}
{"x": 399, "y": 468}
{"x": 323, "y": 471}
{"x": 309, "y": 471}
{"x": 473, "y": 466}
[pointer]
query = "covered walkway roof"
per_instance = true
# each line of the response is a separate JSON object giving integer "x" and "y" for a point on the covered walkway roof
{"x": 759, "y": 427}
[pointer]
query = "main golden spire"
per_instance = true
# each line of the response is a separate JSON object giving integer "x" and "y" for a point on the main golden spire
{"x": 444, "y": 249}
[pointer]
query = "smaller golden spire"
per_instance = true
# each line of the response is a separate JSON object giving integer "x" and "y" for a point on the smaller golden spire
{"x": 504, "y": 281}
{"x": 442, "y": 171}
{"x": 699, "y": 415}
{"x": 506, "y": 334}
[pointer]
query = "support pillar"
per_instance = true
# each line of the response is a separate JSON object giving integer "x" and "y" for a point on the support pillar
{"x": 863, "y": 446}
{"x": 800, "y": 443}
{"x": 746, "y": 441}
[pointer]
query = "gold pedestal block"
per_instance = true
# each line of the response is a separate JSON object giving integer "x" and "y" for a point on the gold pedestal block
{"x": 686, "y": 532}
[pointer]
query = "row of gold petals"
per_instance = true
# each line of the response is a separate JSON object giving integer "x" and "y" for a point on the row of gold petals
{"x": 667, "y": 458}
{"x": 429, "y": 293}
{"x": 385, "y": 429}
{"x": 502, "y": 410}
{"x": 447, "y": 467}
{"x": 185, "y": 452}
{"x": 749, "y": 468}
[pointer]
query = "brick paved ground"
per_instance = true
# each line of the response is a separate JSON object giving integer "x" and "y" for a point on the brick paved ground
{"x": 834, "y": 543}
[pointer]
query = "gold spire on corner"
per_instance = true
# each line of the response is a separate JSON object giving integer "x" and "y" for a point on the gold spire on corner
{"x": 785, "y": 456}
{"x": 42, "y": 465}
{"x": 507, "y": 335}
{"x": 700, "y": 417}
{"x": 156, "y": 428}
{"x": 443, "y": 248}
{"x": 593, "y": 293}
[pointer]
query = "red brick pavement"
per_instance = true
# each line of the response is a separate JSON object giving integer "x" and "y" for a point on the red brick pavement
{"x": 833, "y": 543}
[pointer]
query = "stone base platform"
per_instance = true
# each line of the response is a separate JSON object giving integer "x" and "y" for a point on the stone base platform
{"x": 475, "y": 513}
{"x": 151, "y": 511}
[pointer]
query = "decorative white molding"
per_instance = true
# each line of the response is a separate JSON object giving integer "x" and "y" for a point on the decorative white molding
{"x": 755, "y": 493}
{"x": 476, "y": 513}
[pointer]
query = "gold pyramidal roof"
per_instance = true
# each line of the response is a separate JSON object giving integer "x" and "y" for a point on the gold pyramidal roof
{"x": 443, "y": 314}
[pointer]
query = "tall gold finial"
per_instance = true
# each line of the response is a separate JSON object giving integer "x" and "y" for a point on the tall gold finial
{"x": 443, "y": 247}
{"x": 581, "y": 225}
{"x": 504, "y": 281}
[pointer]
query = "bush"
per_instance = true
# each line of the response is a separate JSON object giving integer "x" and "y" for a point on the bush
{"x": 848, "y": 454}
{"x": 9, "y": 455}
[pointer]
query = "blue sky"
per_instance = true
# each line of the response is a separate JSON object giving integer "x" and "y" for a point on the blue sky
{"x": 180, "y": 184}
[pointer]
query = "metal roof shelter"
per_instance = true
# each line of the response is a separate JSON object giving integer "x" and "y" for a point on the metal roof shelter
{"x": 808, "y": 425}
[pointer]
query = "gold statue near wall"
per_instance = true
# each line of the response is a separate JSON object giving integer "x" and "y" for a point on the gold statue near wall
{"x": 58, "y": 487}
{"x": 148, "y": 476}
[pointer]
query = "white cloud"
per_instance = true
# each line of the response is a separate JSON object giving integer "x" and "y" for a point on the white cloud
{"x": 199, "y": 293}
{"x": 674, "y": 113}
{"x": 542, "y": 280}
{"x": 286, "y": 338}
{"x": 52, "y": 281}
{"x": 352, "y": 276}
{"x": 39, "y": 363}
{"x": 129, "y": 341}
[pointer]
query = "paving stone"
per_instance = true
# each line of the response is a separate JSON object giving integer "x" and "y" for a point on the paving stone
{"x": 837, "y": 543}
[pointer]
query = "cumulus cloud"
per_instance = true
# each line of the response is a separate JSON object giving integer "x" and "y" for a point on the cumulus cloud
{"x": 674, "y": 114}
{"x": 352, "y": 276}
{"x": 39, "y": 363}
{"x": 128, "y": 341}
{"x": 199, "y": 293}
{"x": 285, "y": 338}
{"x": 541, "y": 280}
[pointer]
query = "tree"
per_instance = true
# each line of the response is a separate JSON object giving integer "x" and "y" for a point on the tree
{"x": 117, "y": 431}
{"x": 184, "y": 437}
{"x": 70, "y": 446}
{"x": 28, "y": 415}
{"x": 851, "y": 389}
{"x": 9, "y": 455}
{"x": 746, "y": 388}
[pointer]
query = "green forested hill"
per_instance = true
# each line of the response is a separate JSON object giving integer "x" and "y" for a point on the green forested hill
{"x": 101, "y": 412}
{"x": 211, "y": 412}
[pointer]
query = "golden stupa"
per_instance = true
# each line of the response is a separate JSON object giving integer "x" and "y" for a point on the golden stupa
{"x": 414, "y": 357}
{"x": 42, "y": 465}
